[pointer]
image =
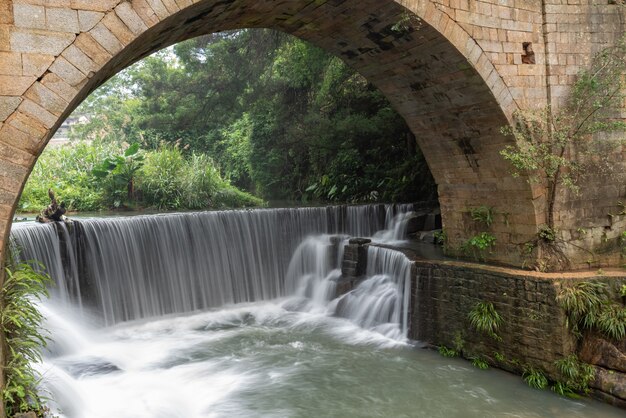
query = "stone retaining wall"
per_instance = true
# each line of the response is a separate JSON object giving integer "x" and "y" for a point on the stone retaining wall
{"x": 534, "y": 333}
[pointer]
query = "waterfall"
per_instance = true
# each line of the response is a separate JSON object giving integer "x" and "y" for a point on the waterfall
{"x": 129, "y": 268}
{"x": 381, "y": 300}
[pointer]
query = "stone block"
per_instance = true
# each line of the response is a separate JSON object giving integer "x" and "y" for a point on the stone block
{"x": 171, "y": 6}
{"x": 159, "y": 8}
{"x": 56, "y": 3}
{"x": 131, "y": 19}
{"x": 8, "y": 105}
{"x": 5, "y": 38}
{"x": 96, "y": 6}
{"x": 36, "y": 64}
{"x": 105, "y": 38}
{"x": 70, "y": 74}
{"x": 59, "y": 86}
{"x": 87, "y": 20}
{"x": 92, "y": 49}
{"x": 15, "y": 155}
{"x": 118, "y": 28}
{"x": 10, "y": 63}
{"x": 145, "y": 12}
{"x": 62, "y": 20}
{"x": 11, "y": 175}
{"x": 14, "y": 85}
{"x": 33, "y": 110}
{"x": 6, "y": 12}
{"x": 40, "y": 42}
{"x": 19, "y": 139}
{"x": 46, "y": 98}
{"x": 184, "y": 3}
{"x": 29, "y": 16}
{"x": 79, "y": 59}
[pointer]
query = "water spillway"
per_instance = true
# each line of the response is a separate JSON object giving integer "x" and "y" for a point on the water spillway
{"x": 147, "y": 266}
{"x": 239, "y": 314}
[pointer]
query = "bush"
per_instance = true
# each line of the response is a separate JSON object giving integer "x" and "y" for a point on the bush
{"x": 21, "y": 324}
{"x": 92, "y": 177}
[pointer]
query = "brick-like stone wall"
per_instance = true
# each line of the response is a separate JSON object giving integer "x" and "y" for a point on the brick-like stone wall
{"x": 534, "y": 332}
{"x": 456, "y": 70}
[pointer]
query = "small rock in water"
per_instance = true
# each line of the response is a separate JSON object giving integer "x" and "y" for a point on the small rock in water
{"x": 90, "y": 368}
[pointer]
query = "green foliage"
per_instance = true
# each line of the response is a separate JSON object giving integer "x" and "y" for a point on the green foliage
{"x": 546, "y": 234}
{"x": 478, "y": 245}
{"x": 168, "y": 180}
{"x": 576, "y": 375}
{"x": 485, "y": 319}
{"x": 482, "y": 241}
{"x": 480, "y": 363}
{"x": 483, "y": 214}
{"x": 440, "y": 237}
{"x": 68, "y": 171}
{"x": 553, "y": 148}
{"x": 499, "y": 357}
{"x": 535, "y": 378}
{"x": 611, "y": 321}
{"x": 282, "y": 118}
{"x": 583, "y": 302}
{"x": 447, "y": 352}
{"x": 563, "y": 389}
{"x": 622, "y": 291}
{"x": 103, "y": 176}
{"x": 588, "y": 307}
{"x": 458, "y": 342}
{"x": 21, "y": 322}
{"x": 458, "y": 347}
{"x": 118, "y": 174}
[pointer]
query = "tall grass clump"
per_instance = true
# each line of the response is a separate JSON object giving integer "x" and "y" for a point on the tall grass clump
{"x": 171, "y": 180}
{"x": 576, "y": 376}
{"x": 484, "y": 318}
{"x": 21, "y": 322}
{"x": 588, "y": 307}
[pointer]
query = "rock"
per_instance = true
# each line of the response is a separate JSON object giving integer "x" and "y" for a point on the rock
{"x": 360, "y": 241}
{"x": 610, "y": 382}
{"x": 598, "y": 351}
{"x": 433, "y": 221}
{"x": 428, "y": 236}
{"x": 606, "y": 398}
{"x": 30, "y": 414}
{"x": 415, "y": 223}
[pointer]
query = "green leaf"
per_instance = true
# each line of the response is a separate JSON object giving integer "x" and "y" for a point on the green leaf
{"x": 132, "y": 150}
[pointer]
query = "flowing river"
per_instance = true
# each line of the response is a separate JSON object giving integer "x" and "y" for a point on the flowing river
{"x": 233, "y": 314}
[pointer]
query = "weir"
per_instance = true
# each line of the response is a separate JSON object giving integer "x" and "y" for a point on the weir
{"x": 130, "y": 268}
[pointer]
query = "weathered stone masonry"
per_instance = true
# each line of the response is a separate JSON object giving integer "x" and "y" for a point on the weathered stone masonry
{"x": 534, "y": 331}
{"x": 454, "y": 70}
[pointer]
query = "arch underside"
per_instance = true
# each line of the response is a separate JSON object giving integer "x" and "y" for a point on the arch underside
{"x": 438, "y": 89}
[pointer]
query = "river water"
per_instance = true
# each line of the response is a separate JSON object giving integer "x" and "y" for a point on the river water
{"x": 233, "y": 314}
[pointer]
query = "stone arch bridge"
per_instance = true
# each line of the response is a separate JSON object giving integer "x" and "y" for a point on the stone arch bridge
{"x": 456, "y": 70}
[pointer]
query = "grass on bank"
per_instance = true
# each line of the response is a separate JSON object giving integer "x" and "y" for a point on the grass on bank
{"x": 103, "y": 176}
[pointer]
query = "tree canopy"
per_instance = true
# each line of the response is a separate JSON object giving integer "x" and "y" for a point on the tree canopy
{"x": 279, "y": 117}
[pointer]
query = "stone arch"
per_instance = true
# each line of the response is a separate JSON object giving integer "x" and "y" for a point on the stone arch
{"x": 431, "y": 68}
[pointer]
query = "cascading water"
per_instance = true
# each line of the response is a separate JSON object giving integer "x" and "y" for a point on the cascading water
{"x": 262, "y": 333}
{"x": 148, "y": 266}
{"x": 381, "y": 301}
